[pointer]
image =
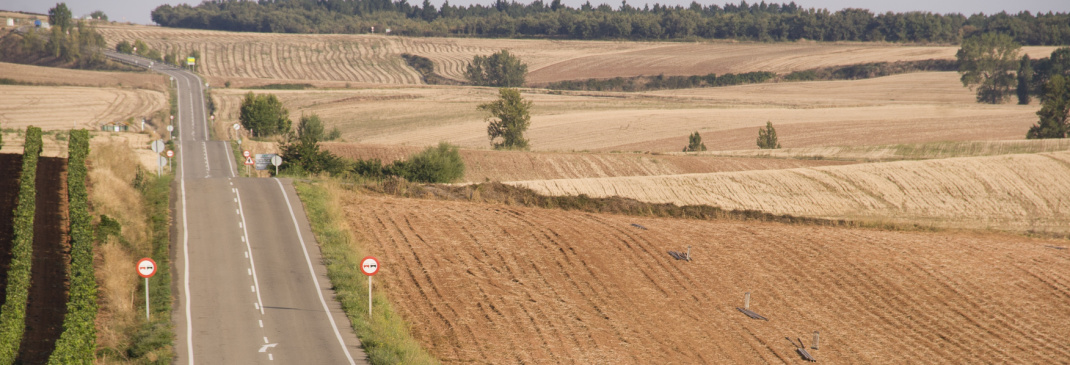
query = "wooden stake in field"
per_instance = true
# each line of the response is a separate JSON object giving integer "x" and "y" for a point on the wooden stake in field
{"x": 746, "y": 300}
{"x": 817, "y": 337}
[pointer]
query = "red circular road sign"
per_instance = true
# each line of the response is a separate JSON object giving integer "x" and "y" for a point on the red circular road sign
{"x": 246, "y": 153}
{"x": 369, "y": 265}
{"x": 170, "y": 153}
{"x": 146, "y": 267}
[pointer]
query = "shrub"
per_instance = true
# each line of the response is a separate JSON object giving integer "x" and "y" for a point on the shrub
{"x": 500, "y": 70}
{"x": 264, "y": 115}
{"x": 77, "y": 343}
{"x": 695, "y": 143}
{"x": 767, "y": 137}
{"x": 13, "y": 312}
{"x": 441, "y": 164}
{"x": 509, "y": 119}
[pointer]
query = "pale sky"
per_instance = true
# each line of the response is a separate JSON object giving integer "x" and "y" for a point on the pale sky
{"x": 138, "y": 11}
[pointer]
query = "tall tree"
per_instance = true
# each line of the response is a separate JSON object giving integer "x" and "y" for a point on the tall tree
{"x": 1054, "y": 110}
{"x": 501, "y": 69}
{"x": 1025, "y": 79}
{"x": 767, "y": 137}
{"x": 694, "y": 143}
{"x": 509, "y": 119}
{"x": 264, "y": 115}
{"x": 986, "y": 62}
{"x": 60, "y": 16}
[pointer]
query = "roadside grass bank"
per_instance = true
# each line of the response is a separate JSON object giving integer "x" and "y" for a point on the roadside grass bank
{"x": 384, "y": 335}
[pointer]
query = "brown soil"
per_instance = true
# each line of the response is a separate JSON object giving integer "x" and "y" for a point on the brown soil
{"x": 48, "y": 287}
{"x": 501, "y": 284}
{"x": 10, "y": 169}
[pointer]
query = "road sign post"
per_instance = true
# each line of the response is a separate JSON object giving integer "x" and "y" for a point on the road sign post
{"x": 369, "y": 265}
{"x": 146, "y": 268}
{"x": 170, "y": 129}
{"x": 158, "y": 146}
{"x": 276, "y": 160}
{"x": 248, "y": 160}
{"x": 170, "y": 154}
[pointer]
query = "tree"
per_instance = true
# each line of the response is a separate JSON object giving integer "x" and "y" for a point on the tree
{"x": 441, "y": 164}
{"x": 509, "y": 119}
{"x": 124, "y": 47}
{"x": 767, "y": 137}
{"x": 1053, "y": 112}
{"x": 501, "y": 69}
{"x": 310, "y": 128}
{"x": 695, "y": 143}
{"x": 303, "y": 154}
{"x": 264, "y": 115}
{"x": 1025, "y": 79}
{"x": 99, "y": 15}
{"x": 986, "y": 62}
{"x": 60, "y": 16}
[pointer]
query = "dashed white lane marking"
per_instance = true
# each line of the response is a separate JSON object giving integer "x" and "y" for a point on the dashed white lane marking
{"x": 237, "y": 211}
{"x": 243, "y": 239}
{"x": 265, "y": 340}
{"x": 261, "y": 323}
{"x": 250, "y": 271}
{"x": 252, "y": 288}
{"x": 256, "y": 305}
{"x": 207, "y": 167}
{"x": 248, "y": 252}
{"x": 271, "y": 358}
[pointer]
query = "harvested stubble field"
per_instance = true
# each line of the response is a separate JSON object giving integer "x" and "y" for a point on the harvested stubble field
{"x": 481, "y": 165}
{"x": 51, "y": 76}
{"x": 376, "y": 58}
{"x": 915, "y": 151}
{"x": 909, "y": 108}
{"x": 53, "y": 108}
{"x": 501, "y": 284}
{"x": 1013, "y": 192}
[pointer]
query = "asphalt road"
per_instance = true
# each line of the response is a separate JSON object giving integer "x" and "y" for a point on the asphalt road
{"x": 251, "y": 285}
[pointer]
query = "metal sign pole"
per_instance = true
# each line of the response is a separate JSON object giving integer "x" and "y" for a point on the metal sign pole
{"x": 147, "y": 299}
{"x": 369, "y": 298}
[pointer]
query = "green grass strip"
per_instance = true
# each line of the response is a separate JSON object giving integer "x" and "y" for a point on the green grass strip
{"x": 384, "y": 334}
{"x": 78, "y": 343}
{"x": 13, "y": 312}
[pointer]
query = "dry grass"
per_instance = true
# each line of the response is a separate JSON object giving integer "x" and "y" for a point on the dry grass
{"x": 910, "y": 108}
{"x": 1013, "y": 192}
{"x": 53, "y": 76}
{"x": 60, "y": 108}
{"x": 918, "y": 151}
{"x": 117, "y": 312}
{"x": 502, "y": 284}
{"x": 246, "y": 57}
{"x": 483, "y": 166}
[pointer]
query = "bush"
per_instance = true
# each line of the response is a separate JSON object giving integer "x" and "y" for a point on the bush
{"x": 767, "y": 137}
{"x": 500, "y": 70}
{"x": 441, "y": 164}
{"x": 695, "y": 143}
{"x": 77, "y": 344}
{"x": 264, "y": 115}
{"x": 13, "y": 312}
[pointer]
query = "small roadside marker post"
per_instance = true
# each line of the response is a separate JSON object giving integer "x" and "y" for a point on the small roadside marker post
{"x": 146, "y": 268}
{"x": 369, "y": 265}
{"x": 170, "y": 162}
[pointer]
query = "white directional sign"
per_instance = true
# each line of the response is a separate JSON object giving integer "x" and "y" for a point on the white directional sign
{"x": 369, "y": 266}
{"x": 263, "y": 160}
{"x": 146, "y": 267}
{"x": 157, "y": 146}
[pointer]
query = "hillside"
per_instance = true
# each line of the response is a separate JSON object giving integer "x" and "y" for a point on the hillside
{"x": 53, "y": 76}
{"x": 500, "y": 284}
{"x": 1011, "y": 192}
{"x": 483, "y": 166}
{"x": 376, "y": 59}
{"x": 66, "y": 107}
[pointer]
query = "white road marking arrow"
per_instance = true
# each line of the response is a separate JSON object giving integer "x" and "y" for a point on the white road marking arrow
{"x": 266, "y": 347}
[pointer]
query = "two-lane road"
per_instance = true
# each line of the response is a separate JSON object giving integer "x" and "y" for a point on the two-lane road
{"x": 251, "y": 284}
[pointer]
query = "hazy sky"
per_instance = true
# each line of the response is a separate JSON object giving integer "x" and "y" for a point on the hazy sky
{"x": 137, "y": 11}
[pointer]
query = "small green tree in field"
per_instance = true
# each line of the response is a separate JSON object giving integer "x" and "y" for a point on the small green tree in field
{"x": 1054, "y": 110}
{"x": 264, "y": 115}
{"x": 441, "y": 164}
{"x": 509, "y": 119}
{"x": 501, "y": 69}
{"x": 767, "y": 137}
{"x": 60, "y": 16}
{"x": 1025, "y": 79}
{"x": 987, "y": 62}
{"x": 695, "y": 143}
{"x": 302, "y": 154}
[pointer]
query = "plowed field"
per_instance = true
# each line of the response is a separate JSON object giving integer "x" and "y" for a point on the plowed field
{"x": 69, "y": 107}
{"x": 498, "y": 284}
{"x": 376, "y": 58}
{"x": 62, "y": 76}
{"x": 516, "y": 165}
{"x": 1014, "y": 192}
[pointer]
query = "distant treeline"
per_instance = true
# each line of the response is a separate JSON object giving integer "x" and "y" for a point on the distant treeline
{"x": 759, "y": 22}
{"x": 848, "y": 72}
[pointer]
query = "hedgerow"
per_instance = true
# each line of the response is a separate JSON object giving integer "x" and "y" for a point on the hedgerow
{"x": 13, "y": 312}
{"x": 77, "y": 344}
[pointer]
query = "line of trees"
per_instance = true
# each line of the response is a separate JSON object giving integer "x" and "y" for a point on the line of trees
{"x": 68, "y": 43}
{"x": 753, "y": 21}
{"x": 13, "y": 312}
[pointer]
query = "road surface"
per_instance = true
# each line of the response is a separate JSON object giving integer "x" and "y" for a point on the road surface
{"x": 251, "y": 285}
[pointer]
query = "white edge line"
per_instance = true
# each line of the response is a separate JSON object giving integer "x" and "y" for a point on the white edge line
{"x": 185, "y": 248}
{"x": 312, "y": 272}
{"x": 252, "y": 265}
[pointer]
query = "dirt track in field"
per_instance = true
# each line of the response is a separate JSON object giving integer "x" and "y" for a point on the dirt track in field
{"x": 10, "y": 169}
{"x": 47, "y": 303}
{"x": 499, "y": 284}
